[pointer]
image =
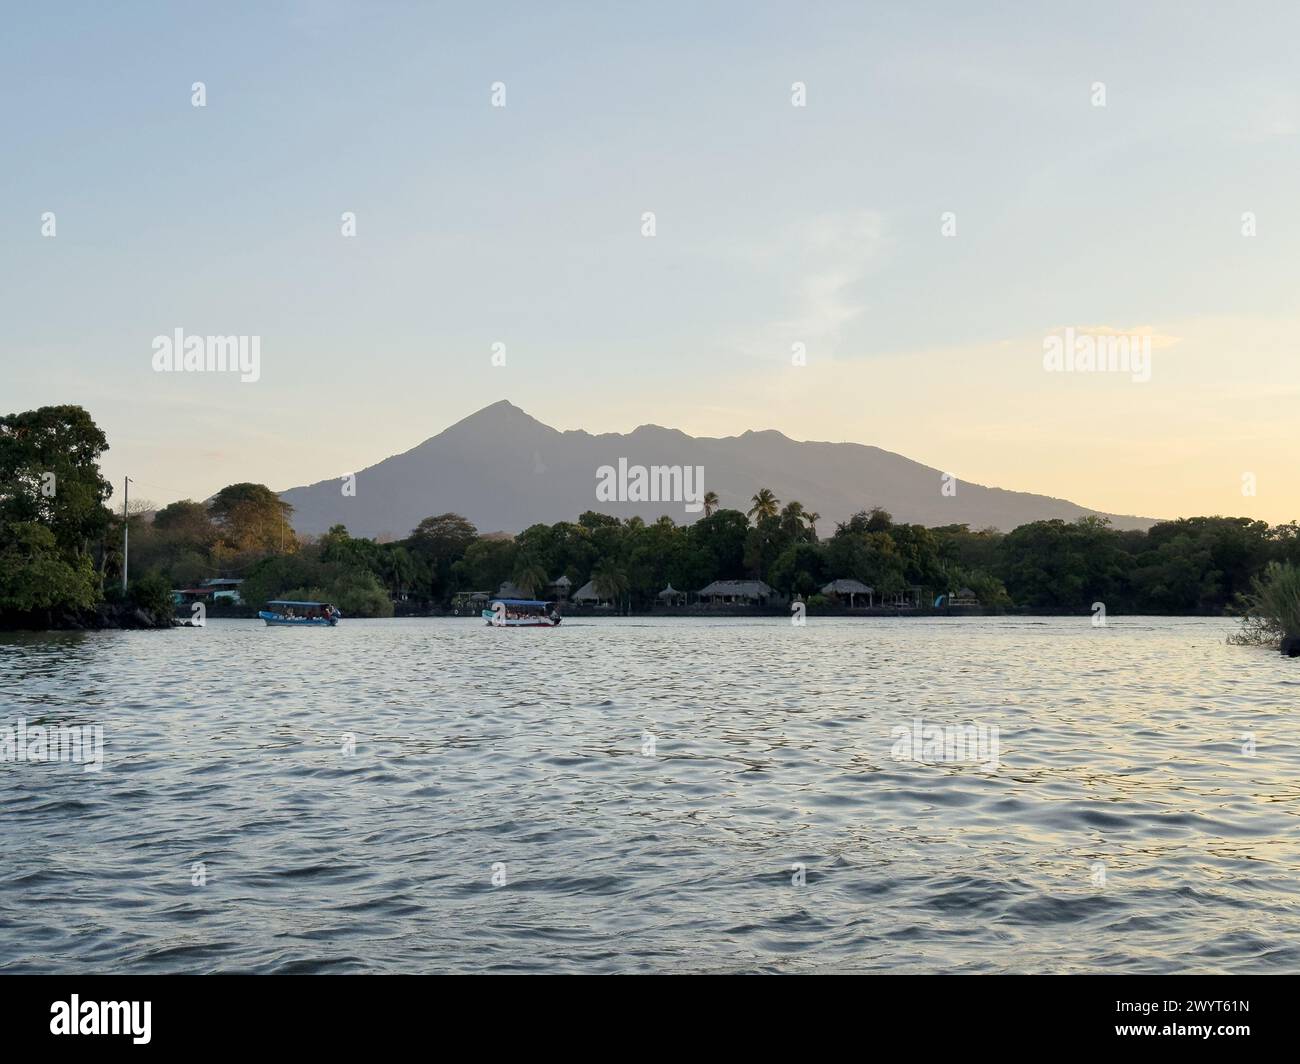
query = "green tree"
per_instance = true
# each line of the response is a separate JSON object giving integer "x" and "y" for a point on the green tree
{"x": 918, "y": 548}
{"x": 958, "y": 545}
{"x": 770, "y": 536}
{"x": 487, "y": 563}
{"x": 187, "y": 524}
{"x": 856, "y": 551}
{"x": 1202, "y": 563}
{"x": 718, "y": 541}
{"x": 610, "y": 581}
{"x": 397, "y": 569}
{"x": 1062, "y": 565}
{"x": 37, "y": 577}
{"x": 591, "y": 520}
{"x": 440, "y": 542}
{"x": 529, "y": 577}
{"x": 800, "y": 569}
{"x": 251, "y": 517}
{"x": 49, "y": 474}
{"x": 335, "y": 570}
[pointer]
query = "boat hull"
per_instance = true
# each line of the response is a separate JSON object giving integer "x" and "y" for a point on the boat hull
{"x": 518, "y": 622}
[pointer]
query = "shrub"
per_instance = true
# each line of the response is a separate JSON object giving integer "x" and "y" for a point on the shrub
{"x": 1272, "y": 608}
{"x": 152, "y": 594}
{"x": 35, "y": 575}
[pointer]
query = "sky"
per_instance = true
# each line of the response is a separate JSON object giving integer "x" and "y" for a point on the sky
{"x": 959, "y": 183}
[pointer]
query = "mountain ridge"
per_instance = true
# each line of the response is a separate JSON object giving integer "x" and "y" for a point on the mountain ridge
{"x": 502, "y": 468}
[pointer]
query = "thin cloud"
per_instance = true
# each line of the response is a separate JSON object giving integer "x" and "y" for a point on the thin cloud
{"x": 819, "y": 265}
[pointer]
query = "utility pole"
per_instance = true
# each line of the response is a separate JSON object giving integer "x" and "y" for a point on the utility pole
{"x": 126, "y": 530}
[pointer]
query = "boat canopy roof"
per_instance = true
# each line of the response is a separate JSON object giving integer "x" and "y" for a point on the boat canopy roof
{"x": 294, "y": 602}
{"x": 523, "y": 602}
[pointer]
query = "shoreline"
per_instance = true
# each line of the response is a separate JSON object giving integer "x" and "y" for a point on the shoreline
{"x": 115, "y": 617}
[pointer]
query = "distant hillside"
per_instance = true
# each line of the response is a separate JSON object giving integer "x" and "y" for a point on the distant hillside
{"x": 505, "y": 470}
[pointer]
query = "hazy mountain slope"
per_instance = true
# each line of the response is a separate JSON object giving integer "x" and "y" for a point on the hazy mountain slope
{"x": 503, "y": 469}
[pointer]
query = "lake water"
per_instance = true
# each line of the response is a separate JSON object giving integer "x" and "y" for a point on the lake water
{"x": 655, "y": 795}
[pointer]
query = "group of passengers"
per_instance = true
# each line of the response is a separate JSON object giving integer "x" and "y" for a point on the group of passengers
{"x": 322, "y": 612}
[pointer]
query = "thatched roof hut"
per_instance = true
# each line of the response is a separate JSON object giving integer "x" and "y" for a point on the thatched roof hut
{"x": 587, "y": 595}
{"x": 736, "y": 591}
{"x": 850, "y": 588}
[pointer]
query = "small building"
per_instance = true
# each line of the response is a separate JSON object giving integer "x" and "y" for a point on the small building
{"x": 907, "y": 599}
{"x": 850, "y": 588}
{"x": 736, "y": 593}
{"x": 670, "y": 596}
{"x": 218, "y": 589}
{"x": 561, "y": 588}
{"x": 587, "y": 596}
{"x": 224, "y": 588}
{"x": 963, "y": 597}
{"x": 471, "y": 602}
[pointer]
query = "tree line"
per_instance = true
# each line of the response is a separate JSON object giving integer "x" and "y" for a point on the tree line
{"x": 60, "y": 550}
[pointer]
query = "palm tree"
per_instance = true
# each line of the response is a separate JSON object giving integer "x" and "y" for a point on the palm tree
{"x": 765, "y": 505}
{"x": 792, "y": 519}
{"x": 710, "y": 503}
{"x": 398, "y": 568}
{"x": 609, "y": 581}
{"x": 812, "y": 517}
{"x": 529, "y": 577}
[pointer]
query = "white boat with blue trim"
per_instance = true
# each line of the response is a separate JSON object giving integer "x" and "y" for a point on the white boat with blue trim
{"x": 522, "y": 613}
{"x": 292, "y": 613}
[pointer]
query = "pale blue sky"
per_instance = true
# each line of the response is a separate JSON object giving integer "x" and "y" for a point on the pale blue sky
{"x": 775, "y": 224}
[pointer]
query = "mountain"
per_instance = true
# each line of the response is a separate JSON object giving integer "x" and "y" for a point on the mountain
{"x": 505, "y": 470}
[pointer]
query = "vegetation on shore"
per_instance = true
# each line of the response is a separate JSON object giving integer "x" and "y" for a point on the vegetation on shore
{"x": 53, "y": 528}
{"x": 60, "y": 551}
{"x": 1271, "y": 609}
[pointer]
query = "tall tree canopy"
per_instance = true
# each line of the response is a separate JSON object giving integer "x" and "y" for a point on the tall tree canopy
{"x": 438, "y": 542}
{"x": 49, "y": 473}
{"x": 51, "y": 512}
{"x": 251, "y": 517}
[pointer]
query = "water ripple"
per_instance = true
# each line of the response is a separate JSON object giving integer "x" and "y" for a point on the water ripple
{"x": 646, "y": 796}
